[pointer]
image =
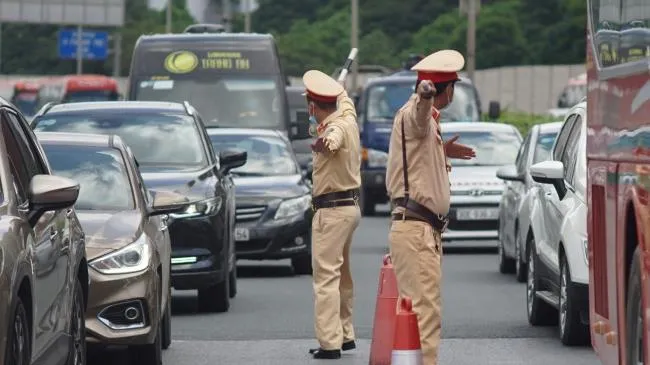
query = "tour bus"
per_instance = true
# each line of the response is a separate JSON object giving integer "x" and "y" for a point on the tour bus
{"x": 24, "y": 97}
{"x": 78, "y": 88}
{"x": 618, "y": 180}
{"x": 232, "y": 79}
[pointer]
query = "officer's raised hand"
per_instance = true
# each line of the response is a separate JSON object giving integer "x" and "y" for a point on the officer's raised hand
{"x": 426, "y": 89}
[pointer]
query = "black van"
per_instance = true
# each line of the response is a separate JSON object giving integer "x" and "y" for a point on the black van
{"x": 232, "y": 79}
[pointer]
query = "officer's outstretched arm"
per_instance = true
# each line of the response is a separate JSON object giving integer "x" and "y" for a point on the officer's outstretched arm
{"x": 334, "y": 134}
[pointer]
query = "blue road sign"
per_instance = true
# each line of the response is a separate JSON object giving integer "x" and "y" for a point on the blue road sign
{"x": 95, "y": 44}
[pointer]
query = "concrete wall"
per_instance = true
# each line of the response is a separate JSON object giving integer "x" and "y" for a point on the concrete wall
{"x": 529, "y": 89}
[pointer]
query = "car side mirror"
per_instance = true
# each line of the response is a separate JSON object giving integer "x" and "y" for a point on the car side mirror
{"x": 232, "y": 159}
{"x": 302, "y": 125}
{"x": 510, "y": 173}
{"x": 167, "y": 202}
{"x": 50, "y": 192}
{"x": 550, "y": 172}
{"x": 494, "y": 110}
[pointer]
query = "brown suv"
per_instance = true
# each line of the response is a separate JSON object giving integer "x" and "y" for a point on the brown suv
{"x": 127, "y": 242}
{"x": 43, "y": 272}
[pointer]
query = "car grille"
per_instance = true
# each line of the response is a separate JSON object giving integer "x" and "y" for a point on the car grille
{"x": 249, "y": 213}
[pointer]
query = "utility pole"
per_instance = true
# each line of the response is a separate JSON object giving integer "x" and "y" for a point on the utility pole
{"x": 354, "y": 42}
{"x": 117, "y": 54}
{"x": 226, "y": 10}
{"x": 80, "y": 50}
{"x": 168, "y": 16}
{"x": 470, "y": 8}
{"x": 247, "y": 16}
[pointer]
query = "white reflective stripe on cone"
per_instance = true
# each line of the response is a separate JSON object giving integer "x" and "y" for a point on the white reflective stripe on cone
{"x": 406, "y": 357}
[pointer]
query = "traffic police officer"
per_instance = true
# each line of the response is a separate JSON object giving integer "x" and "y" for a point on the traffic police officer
{"x": 336, "y": 181}
{"x": 418, "y": 185}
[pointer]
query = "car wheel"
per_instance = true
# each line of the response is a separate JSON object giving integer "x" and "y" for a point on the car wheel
{"x": 149, "y": 354}
{"x": 302, "y": 265}
{"x": 634, "y": 315}
{"x": 233, "y": 282}
{"x": 572, "y": 331}
{"x": 367, "y": 204}
{"x": 167, "y": 322}
{"x": 520, "y": 265}
{"x": 18, "y": 350}
{"x": 77, "y": 352}
{"x": 506, "y": 264}
{"x": 215, "y": 298}
{"x": 539, "y": 312}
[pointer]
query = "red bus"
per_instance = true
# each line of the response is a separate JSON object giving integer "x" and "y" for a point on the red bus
{"x": 618, "y": 175}
{"x": 77, "y": 88}
{"x": 24, "y": 96}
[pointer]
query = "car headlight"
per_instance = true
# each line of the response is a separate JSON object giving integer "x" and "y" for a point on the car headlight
{"x": 293, "y": 207}
{"x": 585, "y": 250}
{"x": 196, "y": 209}
{"x": 375, "y": 158}
{"x": 132, "y": 258}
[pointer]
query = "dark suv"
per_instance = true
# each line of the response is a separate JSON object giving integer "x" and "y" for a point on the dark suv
{"x": 174, "y": 153}
{"x": 43, "y": 269}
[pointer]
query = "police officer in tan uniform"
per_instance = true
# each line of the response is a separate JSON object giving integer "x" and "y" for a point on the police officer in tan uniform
{"x": 336, "y": 181}
{"x": 418, "y": 185}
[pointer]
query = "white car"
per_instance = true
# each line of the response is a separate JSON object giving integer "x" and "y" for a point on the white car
{"x": 516, "y": 201}
{"x": 558, "y": 269}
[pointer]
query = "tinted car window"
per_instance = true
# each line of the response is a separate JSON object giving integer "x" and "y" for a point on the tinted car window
{"x": 156, "y": 139}
{"x": 562, "y": 138}
{"x": 492, "y": 148}
{"x": 100, "y": 172}
{"x": 385, "y": 100}
{"x": 267, "y": 156}
{"x": 246, "y": 102}
{"x": 544, "y": 146}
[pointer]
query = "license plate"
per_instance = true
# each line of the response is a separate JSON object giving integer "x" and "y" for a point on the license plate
{"x": 242, "y": 234}
{"x": 477, "y": 214}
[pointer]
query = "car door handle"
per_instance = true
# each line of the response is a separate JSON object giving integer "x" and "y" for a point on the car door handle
{"x": 53, "y": 234}
{"x": 549, "y": 194}
{"x": 68, "y": 213}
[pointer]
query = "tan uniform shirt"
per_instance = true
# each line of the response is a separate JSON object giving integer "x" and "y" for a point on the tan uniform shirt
{"x": 425, "y": 155}
{"x": 340, "y": 169}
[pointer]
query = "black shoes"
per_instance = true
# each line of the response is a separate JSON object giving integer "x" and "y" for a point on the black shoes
{"x": 325, "y": 354}
{"x": 319, "y": 353}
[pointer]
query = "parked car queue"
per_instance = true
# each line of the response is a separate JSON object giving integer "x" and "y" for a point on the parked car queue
{"x": 543, "y": 225}
{"x": 99, "y": 195}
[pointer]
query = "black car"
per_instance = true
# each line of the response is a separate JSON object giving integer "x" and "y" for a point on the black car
{"x": 174, "y": 153}
{"x": 273, "y": 198}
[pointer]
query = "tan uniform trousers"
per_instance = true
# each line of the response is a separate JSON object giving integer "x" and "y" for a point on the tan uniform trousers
{"x": 416, "y": 249}
{"x": 332, "y": 230}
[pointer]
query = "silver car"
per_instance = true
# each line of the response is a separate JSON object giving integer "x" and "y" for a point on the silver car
{"x": 516, "y": 203}
{"x": 475, "y": 189}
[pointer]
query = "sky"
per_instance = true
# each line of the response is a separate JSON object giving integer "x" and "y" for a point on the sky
{"x": 196, "y": 8}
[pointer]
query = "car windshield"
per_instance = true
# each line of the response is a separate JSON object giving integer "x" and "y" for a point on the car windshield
{"x": 543, "y": 147}
{"x": 267, "y": 155}
{"x": 245, "y": 102}
{"x": 26, "y": 101}
{"x": 492, "y": 148}
{"x": 155, "y": 138}
{"x": 100, "y": 172}
{"x": 385, "y": 100}
{"x": 90, "y": 95}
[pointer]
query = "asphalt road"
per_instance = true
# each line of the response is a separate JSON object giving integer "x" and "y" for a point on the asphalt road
{"x": 270, "y": 320}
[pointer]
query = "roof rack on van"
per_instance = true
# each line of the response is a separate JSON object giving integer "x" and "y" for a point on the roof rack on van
{"x": 205, "y": 28}
{"x": 188, "y": 108}
{"x": 45, "y": 109}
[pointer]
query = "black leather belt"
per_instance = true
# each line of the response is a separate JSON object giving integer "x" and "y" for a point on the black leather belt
{"x": 336, "y": 199}
{"x": 437, "y": 221}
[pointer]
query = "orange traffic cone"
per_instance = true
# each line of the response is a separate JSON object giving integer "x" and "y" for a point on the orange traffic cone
{"x": 406, "y": 347}
{"x": 383, "y": 327}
